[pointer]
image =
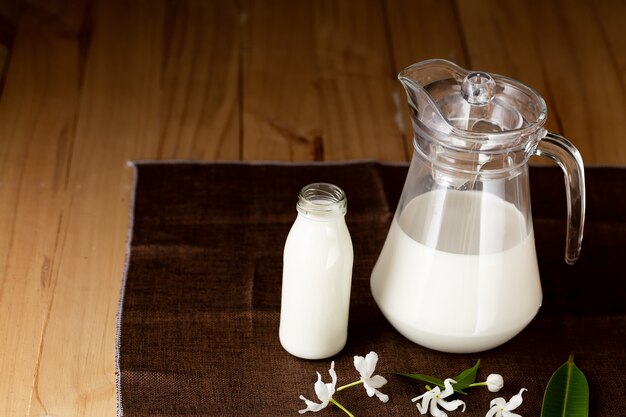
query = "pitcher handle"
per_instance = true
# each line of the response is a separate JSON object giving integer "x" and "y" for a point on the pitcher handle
{"x": 565, "y": 154}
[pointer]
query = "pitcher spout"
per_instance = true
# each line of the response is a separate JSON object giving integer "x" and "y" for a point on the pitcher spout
{"x": 417, "y": 80}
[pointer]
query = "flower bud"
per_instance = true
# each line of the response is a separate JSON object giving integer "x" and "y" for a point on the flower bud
{"x": 495, "y": 382}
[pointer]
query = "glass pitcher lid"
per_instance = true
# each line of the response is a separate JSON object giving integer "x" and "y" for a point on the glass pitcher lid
{"x": 470, "y": 104}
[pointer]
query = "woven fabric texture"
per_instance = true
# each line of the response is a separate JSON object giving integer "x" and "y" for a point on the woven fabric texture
{"x": 199, "y": 320}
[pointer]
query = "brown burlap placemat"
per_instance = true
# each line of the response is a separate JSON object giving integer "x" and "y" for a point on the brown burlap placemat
{"x": 198, "y": 325}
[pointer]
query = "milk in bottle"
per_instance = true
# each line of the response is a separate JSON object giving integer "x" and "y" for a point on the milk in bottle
{"x": 317, "y": 274}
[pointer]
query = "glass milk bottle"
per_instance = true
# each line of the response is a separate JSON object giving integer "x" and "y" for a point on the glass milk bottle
{"x": 317, "y": 274}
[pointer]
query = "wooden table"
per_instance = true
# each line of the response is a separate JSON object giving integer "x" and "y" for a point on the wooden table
{"x": 88, "y": 85}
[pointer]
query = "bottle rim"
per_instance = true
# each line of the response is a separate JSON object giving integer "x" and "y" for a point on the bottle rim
{"x": 322, "y": 199}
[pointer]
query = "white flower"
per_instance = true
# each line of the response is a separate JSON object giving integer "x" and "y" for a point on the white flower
{"x": 495, "y": 382}
{"x": 435, "y": 397}
{"x": 323, "y": 391}
{"x": 365, "y": 366}
{"x": 500, "y": 408}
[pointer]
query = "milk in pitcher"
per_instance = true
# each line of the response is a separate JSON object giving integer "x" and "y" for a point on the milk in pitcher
{"x": 458, "y": 271}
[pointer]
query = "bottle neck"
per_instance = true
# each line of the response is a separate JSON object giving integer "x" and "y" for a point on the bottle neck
{"x": 322, "y": 201}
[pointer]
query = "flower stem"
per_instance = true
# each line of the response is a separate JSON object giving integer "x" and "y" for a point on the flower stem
{"x": 478, "y": 384}
{"x": 349, "y": 385}
{"x": 341, "y": 407}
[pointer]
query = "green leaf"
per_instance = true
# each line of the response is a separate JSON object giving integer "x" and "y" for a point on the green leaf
{"x": 424, "y": 378}
{"x": 465, "y": 378}
{"x": 567, "y": 393}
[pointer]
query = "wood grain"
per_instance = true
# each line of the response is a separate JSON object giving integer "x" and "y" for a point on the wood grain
{"x": 356, "y": 82}
{"x": 280, "y": 103}
{"x": 38, "y": 114}
{"x": 89, "y": 85}
{"x": 105, "y": 86}
{"x": 419, "y": 31}
{"x": 542, "y": 45}
{"x": 199, "y": 115}
{"x": 317, "y": 82}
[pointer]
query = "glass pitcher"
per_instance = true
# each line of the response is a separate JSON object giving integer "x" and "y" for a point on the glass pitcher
{"x": 458, "y": 270}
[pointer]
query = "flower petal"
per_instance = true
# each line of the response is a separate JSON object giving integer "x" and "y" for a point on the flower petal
{"x": 427, "y": 395}
{"x": 436, "y": 412}
{"x": 311, "y": 406}
{"x": 376, "y": 381}
{"x": 448, "y": 385}
{"x": 426, "y": 398}
{"x": 451, "y": 405}
{"x": 359, "y": 364}
{"x": 500, "y": 402}
{"x": 372, "y": 391}
{"x": 321, "y": 390}
{"x": 333, "y": 377}
{"x": 494, "y": 411}
{"x": 382, "y": 397}
{"x": 371, "y": 359}
{"x": 515, "y": 401}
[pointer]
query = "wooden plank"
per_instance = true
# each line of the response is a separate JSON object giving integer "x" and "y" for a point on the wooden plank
{"x": 88, "y": 88}
{"x": 356, "y": 82}
{"x": 421, "y": 30}
{"x": 611, "y": 15}
{"x": 588, "y": 92}
{"x": 600, "y": 54}
{"x": 116, "y": 120}
{"x": 37, "y": 120}
{"x": 571, "y": 68}
{"x": 200, "y": 92}
{"x": 317, "y": 82}
{"x": 500, "y": 39}
{"x": 131, "y": 107}
{"x": 281, "y": 115}
{"x": 8, "y": 19}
